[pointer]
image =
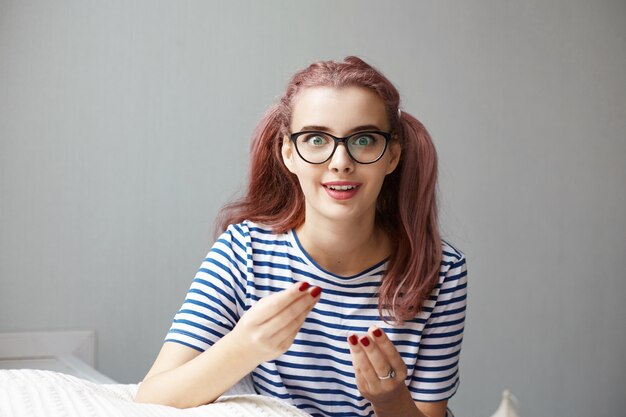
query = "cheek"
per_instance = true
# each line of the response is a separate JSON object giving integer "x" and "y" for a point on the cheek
{"x": 308, "y": 178}
{"x": 379, "y": 177}
{"x": 376, "y": 183}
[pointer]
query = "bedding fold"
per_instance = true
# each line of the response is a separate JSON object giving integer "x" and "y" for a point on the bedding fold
{"x": 39, "y": 393}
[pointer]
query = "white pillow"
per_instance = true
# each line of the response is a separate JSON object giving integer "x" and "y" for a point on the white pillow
{"x": 508, "y": 405}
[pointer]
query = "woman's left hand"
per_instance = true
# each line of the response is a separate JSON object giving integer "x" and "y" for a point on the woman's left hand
{"x": 379, "y": 368}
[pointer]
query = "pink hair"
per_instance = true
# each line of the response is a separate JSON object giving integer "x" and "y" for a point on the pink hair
{"x": 407, "y": 204}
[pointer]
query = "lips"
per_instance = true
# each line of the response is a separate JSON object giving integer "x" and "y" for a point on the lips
{"x": 341, "y": 190}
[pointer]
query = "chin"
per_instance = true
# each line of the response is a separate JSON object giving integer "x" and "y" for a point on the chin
{"x": 342, "y": 214}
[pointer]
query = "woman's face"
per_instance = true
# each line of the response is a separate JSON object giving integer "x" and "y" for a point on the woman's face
{"x": 340, "y": 112}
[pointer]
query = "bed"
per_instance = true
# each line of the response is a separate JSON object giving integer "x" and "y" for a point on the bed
{"x": 52, "y": 374}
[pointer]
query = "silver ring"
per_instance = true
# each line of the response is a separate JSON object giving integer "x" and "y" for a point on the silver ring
{"x": 390, "y": 375}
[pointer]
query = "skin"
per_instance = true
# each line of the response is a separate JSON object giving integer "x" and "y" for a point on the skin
{"x": 341, "y": 236}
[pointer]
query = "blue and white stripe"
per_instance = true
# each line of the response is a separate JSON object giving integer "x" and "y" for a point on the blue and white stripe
{"x": 249, "y": 262}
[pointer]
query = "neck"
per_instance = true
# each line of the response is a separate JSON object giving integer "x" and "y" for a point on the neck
{"x": 344, "y": 248}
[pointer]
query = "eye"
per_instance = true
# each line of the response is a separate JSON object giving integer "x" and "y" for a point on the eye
{"x": 364, "y": 140}
{"x": 315, "y": 139}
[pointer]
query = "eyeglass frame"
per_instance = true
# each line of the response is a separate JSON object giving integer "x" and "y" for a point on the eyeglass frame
{"x": 387, "y": 135}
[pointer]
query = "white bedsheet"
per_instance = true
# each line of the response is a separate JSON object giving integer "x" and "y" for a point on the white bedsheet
{"x": 37, "y": 393}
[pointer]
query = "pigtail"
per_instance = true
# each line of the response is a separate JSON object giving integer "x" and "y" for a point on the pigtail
{"x": 413, "y": 269}
{"x": 273, "y": 196}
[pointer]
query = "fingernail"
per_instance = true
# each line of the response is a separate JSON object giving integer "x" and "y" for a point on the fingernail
{"x": 378, "y": 332}
{"x": 304, "y": 286}
{"x": 316, "y": 291}
{"x": 365, "y": 341}
{"x": 353, "y": 340}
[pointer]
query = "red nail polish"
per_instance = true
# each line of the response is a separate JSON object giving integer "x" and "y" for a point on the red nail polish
{"x": 378, "y": 332}
{"x": 316, "y": 291}
{"x": 353, "y": 340}
{"x": 304, "y": 286}
{"x": 365, "y": 341}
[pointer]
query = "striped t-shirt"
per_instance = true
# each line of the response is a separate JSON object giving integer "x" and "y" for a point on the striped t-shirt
{"x": 249, "y": 262}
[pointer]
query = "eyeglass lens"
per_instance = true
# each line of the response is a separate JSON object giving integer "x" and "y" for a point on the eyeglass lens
{"x": 317, "y": 147}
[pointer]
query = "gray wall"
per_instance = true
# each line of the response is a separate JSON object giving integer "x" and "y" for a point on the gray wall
{"x": 125, "y": 125}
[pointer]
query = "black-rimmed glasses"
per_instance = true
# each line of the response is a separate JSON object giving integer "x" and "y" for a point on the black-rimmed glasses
{"x": 363, "y": 147}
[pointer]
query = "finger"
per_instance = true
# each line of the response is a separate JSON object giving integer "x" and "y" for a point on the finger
{"x": 363, "y": 369}
{"x": 289, "y": 330}
{"x": 295, "y": 311}
{"x": 387, "y": 348}
{"x": 376, "y": 357}
{"x": 273, "y": 304}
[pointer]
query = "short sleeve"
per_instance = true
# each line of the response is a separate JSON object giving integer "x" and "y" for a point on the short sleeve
{"x": 215, "y": 300}
{"x": 436, "y": 374}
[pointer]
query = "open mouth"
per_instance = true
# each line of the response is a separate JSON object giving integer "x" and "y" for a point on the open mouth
{"x": 342, "y": 191}
{"x": 341, "y": 187}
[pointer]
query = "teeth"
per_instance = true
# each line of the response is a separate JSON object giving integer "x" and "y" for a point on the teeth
{"x": 342, "y": 187}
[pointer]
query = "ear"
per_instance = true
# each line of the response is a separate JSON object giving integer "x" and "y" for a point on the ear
{"x": 395, "y": 151}
{"x": 287, "y": 153}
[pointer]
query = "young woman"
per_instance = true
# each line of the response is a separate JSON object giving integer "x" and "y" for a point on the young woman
{"x": 330, "y": 282}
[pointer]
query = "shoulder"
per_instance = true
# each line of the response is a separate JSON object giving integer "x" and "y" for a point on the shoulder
{"x": 247, "y": 232}
{"x": 450, "y": 252}
{"x": 451, "y": 290}
{"x": 451, "y": 256}
{"x": 452, "y": 261}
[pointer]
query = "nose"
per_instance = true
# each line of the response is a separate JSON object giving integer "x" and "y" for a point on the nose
{"x": 341, "y": 161}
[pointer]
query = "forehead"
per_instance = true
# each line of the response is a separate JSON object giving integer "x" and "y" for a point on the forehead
{"x": 338, "y": 109}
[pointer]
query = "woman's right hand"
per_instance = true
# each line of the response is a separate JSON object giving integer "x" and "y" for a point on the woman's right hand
{"x": 183, "y": 377}
{"x": 268, "y": 328}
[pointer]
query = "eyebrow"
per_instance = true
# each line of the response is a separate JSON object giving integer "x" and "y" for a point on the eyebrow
{"x": 326, "y": 129}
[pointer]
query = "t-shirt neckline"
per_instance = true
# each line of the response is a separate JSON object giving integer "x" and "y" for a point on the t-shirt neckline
{"x": 366, "y": 272}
